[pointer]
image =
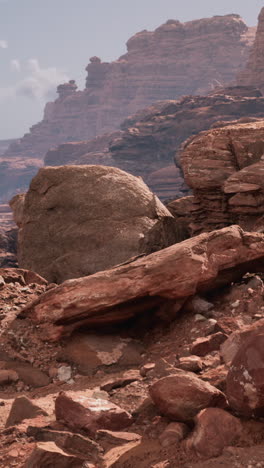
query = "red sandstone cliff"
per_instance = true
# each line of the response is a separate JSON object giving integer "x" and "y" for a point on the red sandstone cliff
{"x": 174, "y": 60}
{"x": 254, "y": 71}
{"x": 150, "y": 139}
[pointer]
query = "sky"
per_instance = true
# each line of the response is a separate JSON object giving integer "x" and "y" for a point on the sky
{"x": 47, "y": 42}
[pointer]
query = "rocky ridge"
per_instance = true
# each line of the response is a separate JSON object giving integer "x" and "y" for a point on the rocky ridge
{"x": 149, "y": 140}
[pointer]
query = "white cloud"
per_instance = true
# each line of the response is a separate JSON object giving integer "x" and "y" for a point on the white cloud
{"x": 40, "y": 83}
{"x": 3, "y": 44}
{"x": 15, "y": 65}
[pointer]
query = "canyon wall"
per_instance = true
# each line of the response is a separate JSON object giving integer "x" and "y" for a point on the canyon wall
{"x": 174, "y": 60}
{"x": 150, "y": 139}
{"x": 253, "y": 74}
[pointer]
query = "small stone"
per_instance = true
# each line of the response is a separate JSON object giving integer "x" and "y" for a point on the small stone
{"x": 203, "y": 346}
{"x": 235, "y": 304}
{"x": 190, "y": 363}
{"x": 8, "y": 376}
{"x": 2, "y": 282}
{"x": 146, "y": 368}
{"x": 100, "y": 394}
{"x": 64, "y": 373}
{"x": 173, "y": 434}
{"x": 199, "y": 318}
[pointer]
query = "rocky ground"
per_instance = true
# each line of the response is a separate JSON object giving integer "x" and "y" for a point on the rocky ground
{"x": 155, "y": 422}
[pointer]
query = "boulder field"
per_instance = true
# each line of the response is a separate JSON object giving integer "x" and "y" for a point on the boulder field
{"x": 176, "y": 383}
{"x": 151, "y": 354}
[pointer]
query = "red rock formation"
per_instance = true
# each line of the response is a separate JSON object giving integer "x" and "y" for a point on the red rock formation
{"x": 224, "y": 167}
{"x": 174, "y": 60}
{"x": 150, "y": 139}
{"x": 254, "y": 71}
{"x": 163, "y": 279}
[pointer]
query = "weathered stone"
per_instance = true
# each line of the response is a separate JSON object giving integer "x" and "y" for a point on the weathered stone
{"x": 90, "y": 414}
{"x": 176, "y": 273}
{"x": 245, "y": 379}
{"x": 90, "y": 352}
{"x": 127, "y": 378}
{"x": 182, "y": 395}
{"x": 219, "y": 165}
{"x": 8, "y": 376}
{"x": 75, "y": 444}
{"x": 48, "y": 454}
{"x": 214, "y": 430}
{"x": 203, "y": 346}
{"x": 29, "y": 375}
{"x": 89, "y": 233}
{"x": 231, "y": 346}
{"x": 173, "y": 434}
{"x": 216, "y": 377}
{"x": 190, "y": 363}
{"x": 109, "y": 439}
{"x": 23, "y": 408}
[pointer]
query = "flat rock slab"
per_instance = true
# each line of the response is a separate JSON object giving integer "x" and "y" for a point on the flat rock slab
{"x": 201, "y": 263}
{"x": 90, "y": 414}
{"x": 48, "y": 454}
{"x": 23, "y": 408}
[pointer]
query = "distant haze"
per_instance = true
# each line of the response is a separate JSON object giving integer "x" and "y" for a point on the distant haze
{"x": 46, "y": 42}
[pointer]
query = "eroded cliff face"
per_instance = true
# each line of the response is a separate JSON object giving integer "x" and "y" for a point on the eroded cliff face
{"x": 150, "y": 139}
{"x": 225, "y": 169}
{"x": 254, "y": 71}
{"x": 174, "y": 60}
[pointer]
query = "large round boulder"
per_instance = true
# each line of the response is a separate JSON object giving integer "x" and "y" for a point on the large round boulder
{"x": 79, "y": 220}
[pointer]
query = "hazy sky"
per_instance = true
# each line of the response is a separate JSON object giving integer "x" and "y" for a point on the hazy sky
{"x": 45, "y": 42}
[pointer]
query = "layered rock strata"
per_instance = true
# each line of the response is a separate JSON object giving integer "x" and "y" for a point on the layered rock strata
{"x": 254, "y": 71}
{"x": 224, "y": 167}
{"x": 147, "y": 144}
{"x": 174, "y": 60}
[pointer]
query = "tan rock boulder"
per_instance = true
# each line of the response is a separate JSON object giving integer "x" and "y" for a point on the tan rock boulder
{"x": 182, "y": 395}
{"x": 164, "y": 278}
{"x": 78, "y": 220}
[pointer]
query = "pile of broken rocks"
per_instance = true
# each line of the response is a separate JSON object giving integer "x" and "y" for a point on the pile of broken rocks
{"x": 82, "y": 385}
